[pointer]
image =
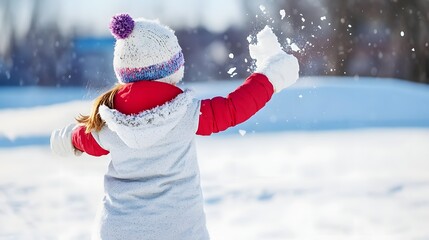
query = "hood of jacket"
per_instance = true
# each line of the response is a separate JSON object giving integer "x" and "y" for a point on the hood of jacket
{"x": 146, "y": 128}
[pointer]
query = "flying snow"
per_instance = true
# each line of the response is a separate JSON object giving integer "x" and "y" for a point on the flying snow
{"x": 262, "y": 7}
{"x": 231, "y": 70}
{"x": 268, "y": 45}
{"x": 295, "y": 47}
{"x": 283, "y": 13}
{"x": 242, "y": 132}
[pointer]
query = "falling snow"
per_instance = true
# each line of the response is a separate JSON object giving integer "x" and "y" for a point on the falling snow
{"x": 283, "y": 13}
{"x": 242, "y": 132}
{"x": 295, "y": 47}
{"x": 231, "y": 70}
{"x": 262, "y": 8}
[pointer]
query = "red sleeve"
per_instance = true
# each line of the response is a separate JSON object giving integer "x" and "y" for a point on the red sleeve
{"x": 220, "y": 113}
{"x": 85, "y": 142}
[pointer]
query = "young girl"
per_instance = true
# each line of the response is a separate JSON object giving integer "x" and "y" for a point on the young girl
{"x": 148, "y": 125}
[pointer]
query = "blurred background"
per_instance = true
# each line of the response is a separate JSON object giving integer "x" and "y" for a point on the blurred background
{"x": 67, "y": 43}
{"x": 342, "y": 154}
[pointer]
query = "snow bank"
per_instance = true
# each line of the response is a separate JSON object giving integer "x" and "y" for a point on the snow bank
{"x": 367, "y": 184}
{"x": 39, "y": 121}
{"x": 314, "y": 103}
{"x": 327, "y": 103}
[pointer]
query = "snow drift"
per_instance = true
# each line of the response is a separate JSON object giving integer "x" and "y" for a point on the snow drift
{"x": 314, "y": 103}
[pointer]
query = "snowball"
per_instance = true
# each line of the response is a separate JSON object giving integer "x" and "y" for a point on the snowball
{"x": 268, "y": 51}
{"x": 323, "y": 18}
{"x": 231, "y": 55}
{"x": 267, "y": 45}
{"x": 402, "y": 33}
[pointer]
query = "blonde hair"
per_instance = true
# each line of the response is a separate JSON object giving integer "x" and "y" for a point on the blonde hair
{"x": 94, "y": 121}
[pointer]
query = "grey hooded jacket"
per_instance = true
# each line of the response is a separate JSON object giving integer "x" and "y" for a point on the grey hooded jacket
{"x": 152, "y": 186}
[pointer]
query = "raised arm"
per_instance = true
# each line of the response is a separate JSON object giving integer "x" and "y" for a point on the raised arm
{"x": 275, "y": 71}
{"x": 219, "y": 113}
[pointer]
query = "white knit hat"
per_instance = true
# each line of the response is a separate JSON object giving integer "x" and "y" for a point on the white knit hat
{"x": 145, "y": 50}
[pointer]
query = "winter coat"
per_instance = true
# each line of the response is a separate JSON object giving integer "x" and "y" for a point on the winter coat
{"x": 152, "y": 185}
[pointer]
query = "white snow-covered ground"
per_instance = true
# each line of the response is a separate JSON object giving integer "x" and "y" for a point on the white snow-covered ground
{"x": 343, "y": 181}
{"x": 366, "y": 184}
{"x": 355, "y": 184}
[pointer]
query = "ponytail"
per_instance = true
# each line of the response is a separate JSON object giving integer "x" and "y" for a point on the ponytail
{"x": 94, "y": 121}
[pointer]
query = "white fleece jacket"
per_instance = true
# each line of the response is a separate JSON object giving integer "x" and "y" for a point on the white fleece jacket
{"x": 152, "y": 187}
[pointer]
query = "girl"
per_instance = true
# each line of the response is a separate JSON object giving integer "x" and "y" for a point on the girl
{"x": 148, "y": 125}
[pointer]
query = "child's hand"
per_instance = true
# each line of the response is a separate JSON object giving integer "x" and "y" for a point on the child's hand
{"x": 61, "y": 142}
{"x": 281, "y": 68}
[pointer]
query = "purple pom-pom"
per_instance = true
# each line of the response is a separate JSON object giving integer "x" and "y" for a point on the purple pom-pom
{"x": 121, "y": 25}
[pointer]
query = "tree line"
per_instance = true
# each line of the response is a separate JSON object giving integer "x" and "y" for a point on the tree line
{"x": 336, "y": 37}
